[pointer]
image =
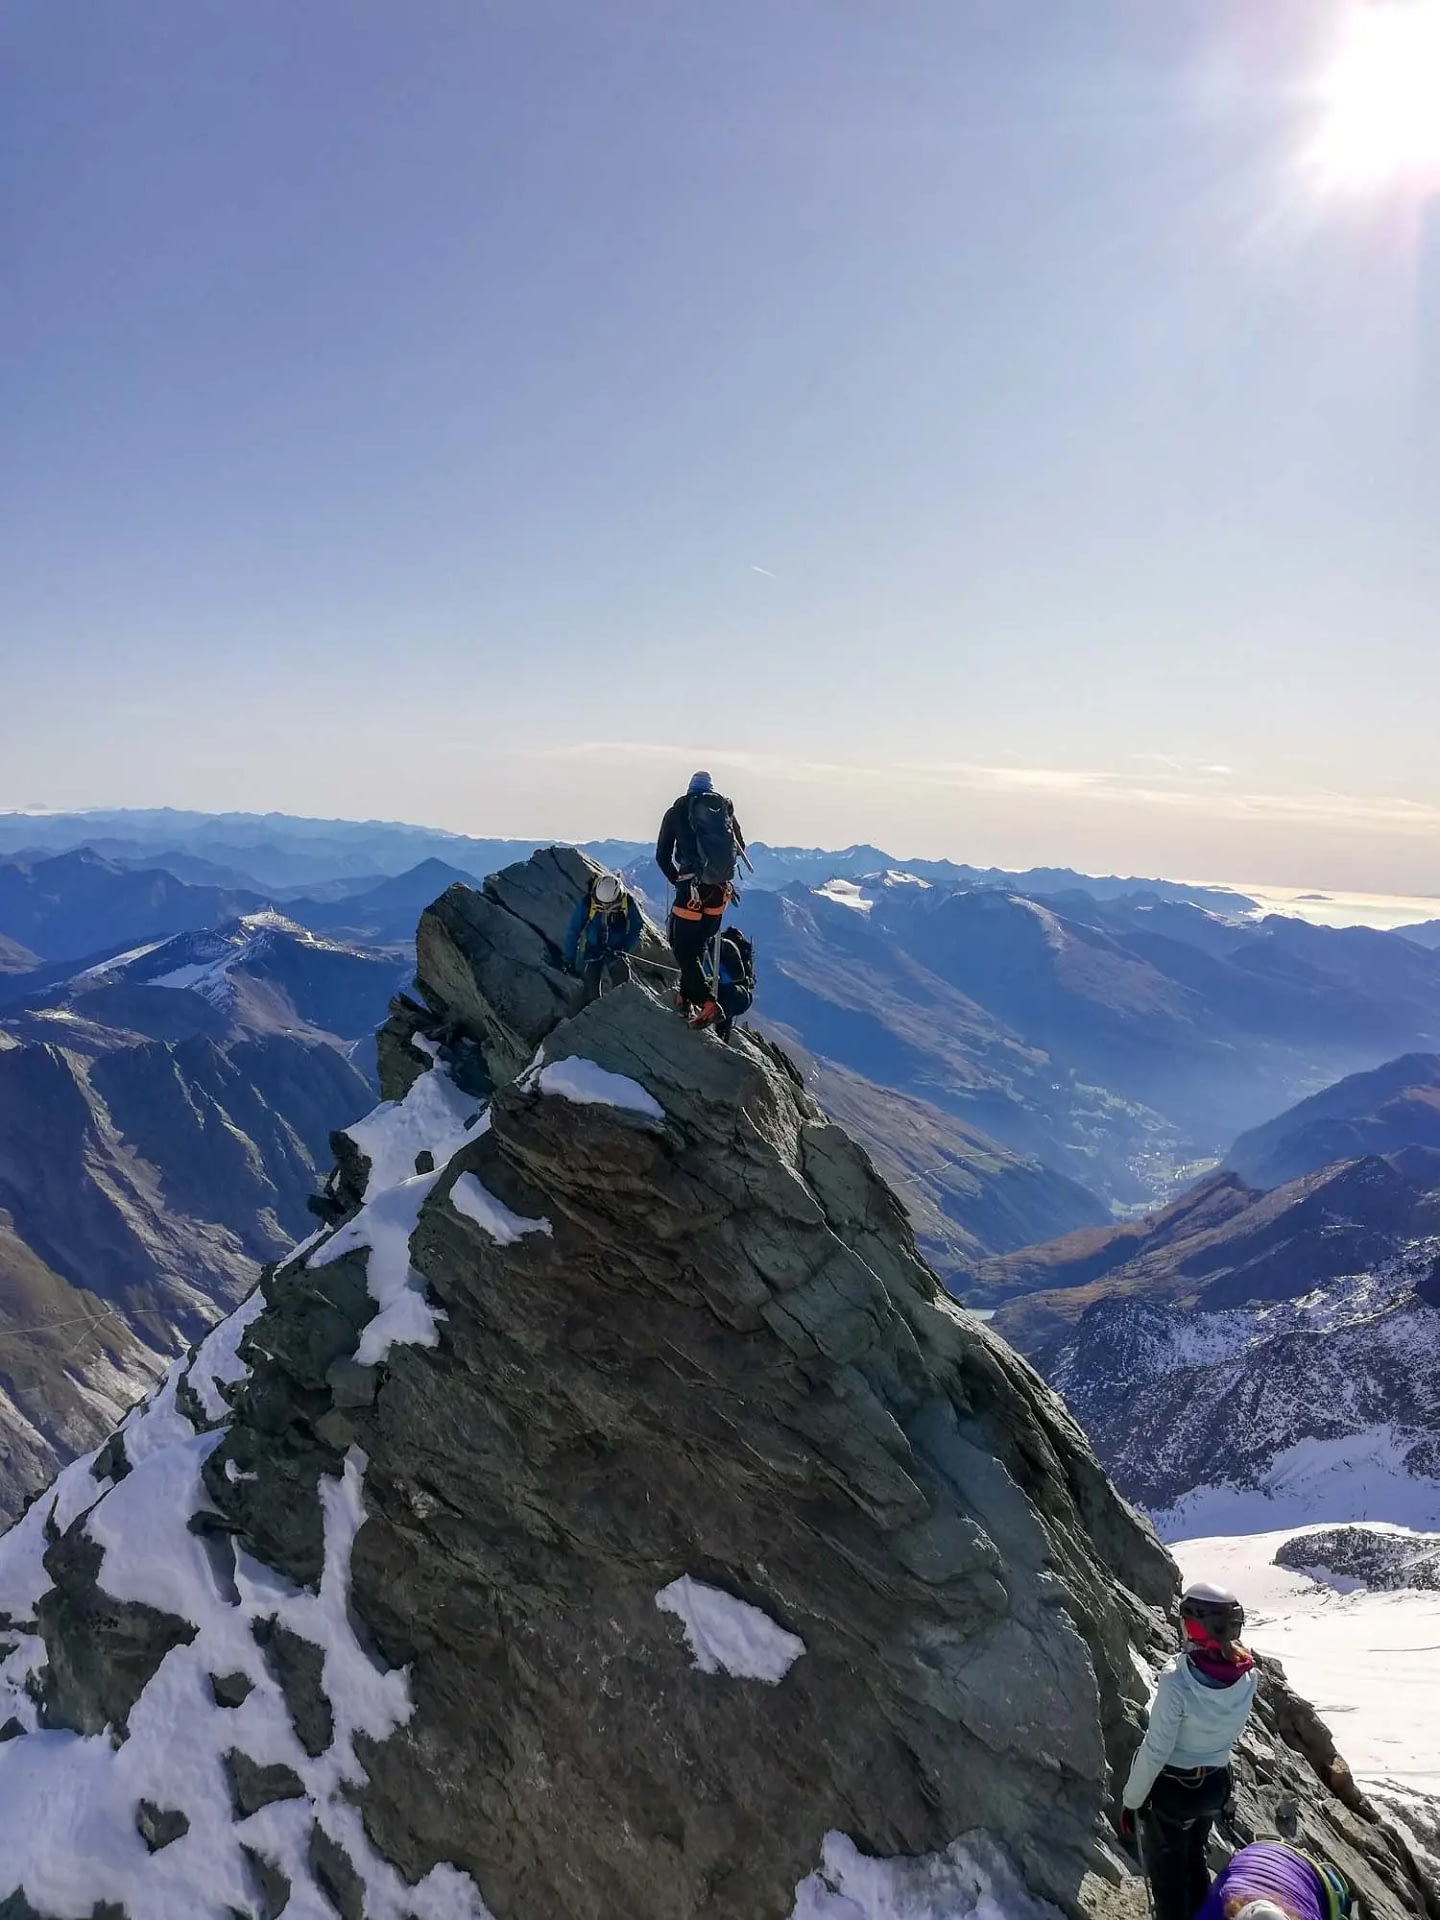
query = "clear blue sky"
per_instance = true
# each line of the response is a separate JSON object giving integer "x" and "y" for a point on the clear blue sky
{"x": 399, "y": 405}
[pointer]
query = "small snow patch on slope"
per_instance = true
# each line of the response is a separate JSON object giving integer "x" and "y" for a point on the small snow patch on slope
{"x": 844, "y": 893}
{"x": 585, "y": 1084}
{"x": 477, "y": 1203}
{"x": 119, "y": 960}
{"x": 726, "y": 1635}
{"x": 972, "y": 1877}
{"x": 434, "y": 1117}
{"x": 385, "y": 1225}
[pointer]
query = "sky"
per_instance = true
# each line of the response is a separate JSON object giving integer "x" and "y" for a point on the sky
{"x": 982, "y": 430}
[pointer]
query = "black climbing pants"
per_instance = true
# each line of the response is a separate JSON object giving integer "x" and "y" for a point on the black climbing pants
{"x": 1174, "y": 1826}
{"x": 605, "y": 970}
{"x": 691, "y": 940}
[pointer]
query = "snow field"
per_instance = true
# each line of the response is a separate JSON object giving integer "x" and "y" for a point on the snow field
{"x": 1360, "y": 1476}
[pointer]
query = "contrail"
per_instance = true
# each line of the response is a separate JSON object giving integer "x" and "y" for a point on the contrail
{"x": 765, "y": 570}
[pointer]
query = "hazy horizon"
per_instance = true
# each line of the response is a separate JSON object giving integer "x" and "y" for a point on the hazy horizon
{"x": 1335, "y": 906}
{"x": 988, "y": 432}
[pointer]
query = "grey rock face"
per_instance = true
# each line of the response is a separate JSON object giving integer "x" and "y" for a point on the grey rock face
{"x": 231, "y": 1689}
{"x": 271, "y": 1886}
{"x": 339, "y": 1882}
{"x": 763, "y": 1388}
{"x": 299, "y": 1667}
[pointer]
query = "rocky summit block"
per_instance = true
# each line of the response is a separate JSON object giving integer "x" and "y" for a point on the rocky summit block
{"x": 606, "y": 1517}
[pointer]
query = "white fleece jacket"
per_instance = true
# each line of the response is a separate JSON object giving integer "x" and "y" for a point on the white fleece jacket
{"x": 1191, "y": 1725}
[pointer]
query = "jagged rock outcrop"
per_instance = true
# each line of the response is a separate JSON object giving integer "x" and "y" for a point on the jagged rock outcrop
{"x": 610, "y": 1517}
{"x": 1357, "y": 1555}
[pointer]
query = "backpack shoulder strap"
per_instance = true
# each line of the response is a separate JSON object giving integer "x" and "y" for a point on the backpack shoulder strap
{"x": 1337, "y": 1889}
{"x": 1335, "y": 1886}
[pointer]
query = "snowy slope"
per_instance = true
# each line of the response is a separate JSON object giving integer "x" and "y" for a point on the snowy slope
{"x": 1365, "y": 1658}
{"x": 1322, "y": 1408}
{"x": 179, "y": 1755}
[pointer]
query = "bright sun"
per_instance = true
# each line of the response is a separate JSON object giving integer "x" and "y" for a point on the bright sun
{"x": 1381, "y": 98}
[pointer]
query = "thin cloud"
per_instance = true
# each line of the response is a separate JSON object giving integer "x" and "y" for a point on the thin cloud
{"x": 1097, "y": 786}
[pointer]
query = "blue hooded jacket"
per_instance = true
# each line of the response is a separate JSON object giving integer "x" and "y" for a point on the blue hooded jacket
{"x": 606, "y": 930}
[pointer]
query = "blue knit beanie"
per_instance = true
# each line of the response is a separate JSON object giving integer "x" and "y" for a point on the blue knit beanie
{"x": 701, "y": 783}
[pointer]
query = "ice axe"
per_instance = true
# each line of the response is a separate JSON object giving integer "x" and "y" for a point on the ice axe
{"x": 1144, "y": 1869}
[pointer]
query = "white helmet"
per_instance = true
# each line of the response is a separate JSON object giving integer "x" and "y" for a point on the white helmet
{"x": 1262, "y": 1910}
{"x": 607, "y": 889}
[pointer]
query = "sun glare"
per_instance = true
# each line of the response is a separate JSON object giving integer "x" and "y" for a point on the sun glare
{"x": 1381, "y": 99}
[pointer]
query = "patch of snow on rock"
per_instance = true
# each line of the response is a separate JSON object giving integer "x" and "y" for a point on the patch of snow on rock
{"x": 217, "y": 1363}
{"x": 585, "y": 1084}
{"x": 726, "y": 1635}
{"x": 971, "y": 1880}
{"x": 477, "y": 1203}
{"x": 385, "y": 1225}
{"x": 434, "y": 1117}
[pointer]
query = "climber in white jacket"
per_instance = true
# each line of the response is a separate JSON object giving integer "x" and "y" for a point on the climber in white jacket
{"x": 1180, "y": 1777}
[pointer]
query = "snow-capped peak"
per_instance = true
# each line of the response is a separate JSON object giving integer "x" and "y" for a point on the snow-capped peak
{"x": 203, "y": 961}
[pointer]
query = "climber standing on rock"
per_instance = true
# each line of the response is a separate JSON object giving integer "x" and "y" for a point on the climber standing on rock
{"x": 1180, "y": 1778}
{"x": 697, "y": 849}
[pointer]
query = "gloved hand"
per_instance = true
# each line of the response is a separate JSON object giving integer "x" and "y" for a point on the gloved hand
{"x": 1125, "y": 1827}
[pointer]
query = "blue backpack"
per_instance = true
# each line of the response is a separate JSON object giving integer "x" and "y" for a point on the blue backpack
{"x": 735, "y": 991}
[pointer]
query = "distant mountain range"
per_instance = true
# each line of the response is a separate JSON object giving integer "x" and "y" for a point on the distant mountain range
{"x": 1243, "y": 1361}
{"x": 1390, "y": 1108}
{"x": 1119, "y": 1032}
{"x": 1021, "y": 1052}
{"x": 275, "y": 851}
{"x": 72, "y": 905}
{"x": 1249, "y": 1359}
{"x": 163, "y": 1119}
